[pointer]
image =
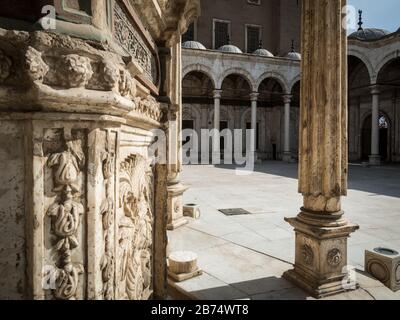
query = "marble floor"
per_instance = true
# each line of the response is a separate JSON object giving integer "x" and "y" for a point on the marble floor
{"x": 243, "y": 257}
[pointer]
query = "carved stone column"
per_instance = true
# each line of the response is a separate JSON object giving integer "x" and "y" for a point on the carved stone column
{"x": 321, "y": 230}
{"x": 175, "y": 188}
{"x": 287, "y": 155}
{"x": 216, "y": 152}
{"x": 375, "y": 158}
{"x": 253, "y": 140}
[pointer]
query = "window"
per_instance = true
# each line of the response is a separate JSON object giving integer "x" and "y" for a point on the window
{"x": 190, "y": 34}
{"x": 222, "y": 33}
{"x": 253, "y": 37}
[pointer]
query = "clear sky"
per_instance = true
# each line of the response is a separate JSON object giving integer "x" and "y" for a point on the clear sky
{"x": 383, "y": 14}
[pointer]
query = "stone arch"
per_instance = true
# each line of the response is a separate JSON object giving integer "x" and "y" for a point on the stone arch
{"x": 202, "y": 69}
{"x": 385, "y": 61}
{"x": 190, "y": 113}
{"x": 238, "y": 71}
{"x": 281, "y": 79}
{"x": 364, "y": 59}
{"x": 293, "y": 82}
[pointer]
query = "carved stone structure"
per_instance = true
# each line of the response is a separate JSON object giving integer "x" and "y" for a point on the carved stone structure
{"x": 321, "y": 230}
{"x": 83, "y": 205}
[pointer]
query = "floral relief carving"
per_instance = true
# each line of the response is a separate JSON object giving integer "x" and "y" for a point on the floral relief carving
{"x": 35, "y": 66}
{"x": 107, "y": 264}
{"x": 149, "y": 107}
{"x": 136, "y": 229}
{"x": 334, "y": 257}
{"x": 65, "y": 216}
{"x": 74, "y": 71}
{"x": 307, "y": 254}
{"x": 5, "y": 66}
{"x": 132, "y": 43}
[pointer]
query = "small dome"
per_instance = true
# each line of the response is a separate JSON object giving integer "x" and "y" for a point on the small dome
{"x": 263, "y": 52}
{"x": 193, "y": 45}
{"x": 229, "y": 48}
{"x": 293, "y": 55}
{"x": 369, "y": 34}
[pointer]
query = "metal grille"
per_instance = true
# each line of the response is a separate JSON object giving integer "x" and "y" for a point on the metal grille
{"x": 221, "y": 33}
{"x": 253, "y": 38}
{"x": 234, "y": 211}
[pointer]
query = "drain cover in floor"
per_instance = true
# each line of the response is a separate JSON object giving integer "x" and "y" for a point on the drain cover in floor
{"x": 234, "y": 211}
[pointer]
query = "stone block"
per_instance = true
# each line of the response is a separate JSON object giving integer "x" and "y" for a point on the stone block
{"x": 384, "y": 265}
{"x": 191, "y": 210}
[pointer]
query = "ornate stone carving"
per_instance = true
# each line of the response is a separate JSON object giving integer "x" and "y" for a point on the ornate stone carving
{"x": 74, "y": 71}
{"x": 5, "y": 66}
{"x": 397, "y": 273}
{"x": 66, "y": 214}
{"x": 107, "y": 210}
{"x": 334, "y": 257}
{"x": 136, "y": 229}
{"x": 118, "y": 80}
{"x": 307, "y": 254}
{"x": 35, "y": 66}
{"x": 149, "y": 107}
{"x": 132, "y": 43}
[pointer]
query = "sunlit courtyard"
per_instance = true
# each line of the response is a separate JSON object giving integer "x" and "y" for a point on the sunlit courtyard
{"x": 243, "y": 256}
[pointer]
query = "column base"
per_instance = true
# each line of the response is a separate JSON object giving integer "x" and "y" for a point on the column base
{"x": 316, "y": 288}
{"x": 175, "y": 206}
{"x": 321, "y": 253}
{"x": 287, "y": 157}
{"x": 375, "y": 160}
{"x": 216, "y": 155}
{"x": 177, "y": 224}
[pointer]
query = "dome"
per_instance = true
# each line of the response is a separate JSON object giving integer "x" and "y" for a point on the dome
{"x": 369, "y": 34}
{"x": 293, "y": 55}
{"x": 229, "y": 48}
{"x": 193, "y": 45}
{"x": 263, "y": 52}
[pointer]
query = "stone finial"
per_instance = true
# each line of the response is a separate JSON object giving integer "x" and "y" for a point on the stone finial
{"x": 360, "y": 22}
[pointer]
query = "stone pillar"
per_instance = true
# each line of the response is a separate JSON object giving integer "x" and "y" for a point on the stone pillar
{"x": 287, "y": 155}
{"x": 375, "y": 158}
{"x": 321, "y": 230}
{"x": 216, "y": 152}
{"x": 253, "y": 138}
{"x": 175, "y": 188}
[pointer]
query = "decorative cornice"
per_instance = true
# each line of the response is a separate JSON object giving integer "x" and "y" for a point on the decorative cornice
{"x": 51, "y": 72}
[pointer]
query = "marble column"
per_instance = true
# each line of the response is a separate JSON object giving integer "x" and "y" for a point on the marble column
{"x": 375, "y": 158}
{"x": 287, "y": 155}
{"x": 216, "y": 152}
{"x": 321, "y": 230}
{"x": 253, "y": 137}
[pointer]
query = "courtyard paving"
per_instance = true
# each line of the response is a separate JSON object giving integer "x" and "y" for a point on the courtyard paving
{"x": 243, "y": 257}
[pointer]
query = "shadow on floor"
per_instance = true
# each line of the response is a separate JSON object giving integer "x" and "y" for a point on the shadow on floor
{"x": 278, "y": 289}
{"x": 382, "y": 180}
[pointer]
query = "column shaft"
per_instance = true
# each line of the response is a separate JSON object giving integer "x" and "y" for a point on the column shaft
{"x": 374, "y": 158}
{"x": 321, "y": 230}
{"x": 286, "y": 149}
